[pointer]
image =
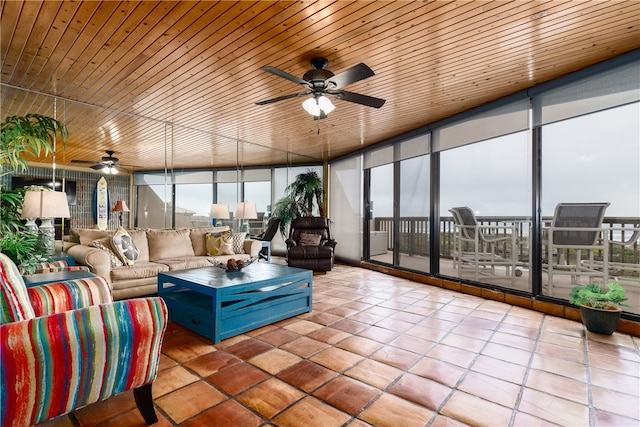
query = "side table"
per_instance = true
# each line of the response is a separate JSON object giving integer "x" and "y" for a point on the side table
{"x": 60, "y": 276}
{"x": 61, "y": 256}
{"x": 267, "y": 244}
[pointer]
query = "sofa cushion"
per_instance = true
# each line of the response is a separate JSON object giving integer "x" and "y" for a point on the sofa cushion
{"x": 106, "y": 245}
{"x": 124, "y": 246}
{"x": 169, "y": 244}
{"x": 140, "y": 270}
{"x": 198, "y": 238}
{"x": 88, "y": 235}
{"x": 220, "y": 243}
{"x": 186, "y": 262}
{"x": 140, "y": 240}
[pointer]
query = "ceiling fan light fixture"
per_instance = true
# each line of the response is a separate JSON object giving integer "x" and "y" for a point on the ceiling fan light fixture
{"x": 311, "y": 106}
{"x": 109, "y": 170}
{"x": 318, "y": 105}
{"x": 325, "y": 104}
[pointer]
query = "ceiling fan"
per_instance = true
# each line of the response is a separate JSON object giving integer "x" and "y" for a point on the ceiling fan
{"x": 320, "y": 82}
{"x": 107, "y": 164}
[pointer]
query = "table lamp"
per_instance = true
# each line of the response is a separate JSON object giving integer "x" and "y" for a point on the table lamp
{"x": 244, "y": 211}
{"x": 45, "y": 205}
{"x": 120, "y": 207}
{"x": 219, "y": 211}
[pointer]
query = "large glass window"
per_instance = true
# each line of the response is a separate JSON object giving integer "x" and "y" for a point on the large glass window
{"x": 154, "y": 206}
{"x": 493, "y": 179}
{"x": 260, "y": 194}
{"x": 414, "y": 214}
{"x": 228, "y": 194}
{"x": 381, "y": 214}
{"x": 193, "y": 205}
{"x": 588, "y": 160}
{"x": 346, "y": 207}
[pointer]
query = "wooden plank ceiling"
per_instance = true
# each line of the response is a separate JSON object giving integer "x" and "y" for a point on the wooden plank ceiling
{"x": 175, "y": 83}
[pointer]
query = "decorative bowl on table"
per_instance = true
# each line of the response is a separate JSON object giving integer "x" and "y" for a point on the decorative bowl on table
{"x": 232, "y": 265}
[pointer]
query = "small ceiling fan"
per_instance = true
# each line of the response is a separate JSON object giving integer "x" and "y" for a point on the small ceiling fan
{"x": 320, "y": 82}
{"x": 107, "y": 164}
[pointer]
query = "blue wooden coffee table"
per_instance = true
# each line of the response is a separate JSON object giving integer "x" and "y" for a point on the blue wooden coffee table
{"x": 219, "y": 305}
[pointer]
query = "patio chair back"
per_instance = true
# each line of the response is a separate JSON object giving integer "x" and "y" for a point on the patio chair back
{"x": 465, "y": 218}
{"x": 270, "y": 231}
{"x": 578, "y": 215}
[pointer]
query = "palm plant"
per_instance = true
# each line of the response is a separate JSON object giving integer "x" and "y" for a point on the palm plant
{"x": 20, "y": 136}
{"x": 32, "y": 134}
{"x": 302, "y": 195}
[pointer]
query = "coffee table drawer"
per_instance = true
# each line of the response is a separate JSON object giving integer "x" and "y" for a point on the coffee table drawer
{"x": 199, "y": 321}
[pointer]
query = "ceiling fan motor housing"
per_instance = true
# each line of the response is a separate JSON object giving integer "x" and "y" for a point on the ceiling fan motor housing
{"x": 317, "y": 77}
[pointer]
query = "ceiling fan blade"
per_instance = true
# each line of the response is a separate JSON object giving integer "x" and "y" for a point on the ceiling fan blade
{"x": 282, "y": 98}
{"x": 98, "y": 167}
{"x": 351, "y": 75}
{"x": 358, "y": 98}
{"x": 84, "y": 161}
{"x": 278, "y": 72}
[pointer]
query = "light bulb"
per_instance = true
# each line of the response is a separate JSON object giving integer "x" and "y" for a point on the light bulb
{"x": 311, "y": 106}
{"x": 325, "y": 104}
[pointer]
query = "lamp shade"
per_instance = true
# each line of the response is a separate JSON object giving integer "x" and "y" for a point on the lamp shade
{"x": 219, "y": 211}
{"x": 121, "y": 206}
{"x": 246, "y": 210}
{"x": 45, "y": 204}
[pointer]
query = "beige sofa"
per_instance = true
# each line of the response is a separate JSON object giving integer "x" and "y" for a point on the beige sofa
{"x": 159, "y": 251}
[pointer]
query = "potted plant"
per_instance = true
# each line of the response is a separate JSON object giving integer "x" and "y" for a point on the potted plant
{"x": 600, "y": 308}
{"x": 20, "y": 136}
{"x": 302, "y": 195}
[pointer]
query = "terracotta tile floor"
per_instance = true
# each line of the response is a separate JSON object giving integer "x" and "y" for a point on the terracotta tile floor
{"x": 384, "y": 351}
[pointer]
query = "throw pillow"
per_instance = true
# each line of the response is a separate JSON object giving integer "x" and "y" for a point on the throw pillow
{"x": 238, "y": 242}
{"x": 198, "y": 238}
{"x": 309, "y": 239}
{"x": 220, "y": 243}
{"x": 105, "y": 245}
{"x": 124, "y": 247}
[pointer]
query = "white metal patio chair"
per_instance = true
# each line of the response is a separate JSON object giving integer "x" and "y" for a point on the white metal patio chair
{"x": 576, "y": 227}
{"x": 618, "y": 266}
{"x": 476, "y": 247}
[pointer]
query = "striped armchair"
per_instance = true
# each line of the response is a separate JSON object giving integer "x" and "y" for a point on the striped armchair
{"x": 65, "y": 345}
{"x": 57, "y": 266}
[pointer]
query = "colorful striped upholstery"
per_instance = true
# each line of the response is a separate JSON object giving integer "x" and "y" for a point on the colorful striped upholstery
{"x": 69, "y": 295}
{"x": 56, "y": 266}
{"x": 54, "y": 364}
{"x": 14, "y": 300}
{"x": 82, "y": 348}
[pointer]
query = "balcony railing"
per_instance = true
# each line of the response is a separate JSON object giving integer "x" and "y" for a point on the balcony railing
{"x": 414, "y": 235}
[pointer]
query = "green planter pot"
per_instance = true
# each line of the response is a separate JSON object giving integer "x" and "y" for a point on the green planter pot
{"x": 600, "y": 321}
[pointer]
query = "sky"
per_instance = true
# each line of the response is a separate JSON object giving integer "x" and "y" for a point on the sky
{"x": 594, "y": 158}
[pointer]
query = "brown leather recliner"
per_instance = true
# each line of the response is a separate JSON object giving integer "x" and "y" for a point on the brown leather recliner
{"x": 305, "y": 250}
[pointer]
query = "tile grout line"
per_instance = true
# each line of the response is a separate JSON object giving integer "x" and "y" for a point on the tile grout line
{"x": 468, "y": 368}
{"x": 516, "y": 404}
{"x": 585, "y": 351}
